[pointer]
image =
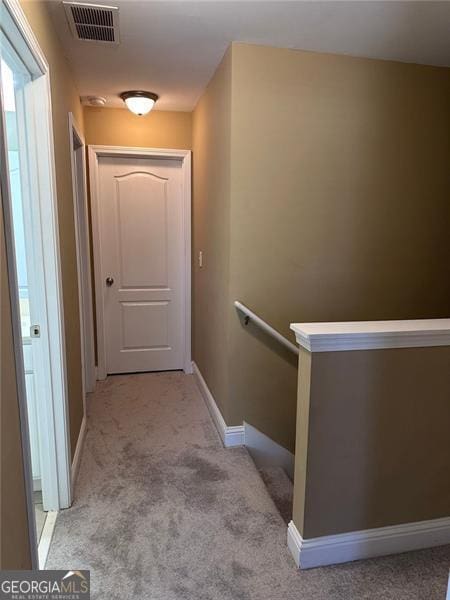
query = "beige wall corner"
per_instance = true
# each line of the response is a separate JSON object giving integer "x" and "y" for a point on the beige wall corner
{"x": 339, "y": 206}
{"x": 211, "y": 234}
{"x": 65, "y": 99}
{"x": 120, "y": 127}
{"x": 302, "y": 437}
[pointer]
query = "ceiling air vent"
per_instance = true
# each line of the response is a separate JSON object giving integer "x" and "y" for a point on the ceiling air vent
{"x": 93, "y": 22}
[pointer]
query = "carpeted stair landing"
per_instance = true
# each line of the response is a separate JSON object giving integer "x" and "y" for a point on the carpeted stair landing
{"x": 163, "y": 512}
{"x": 280, "y": 489}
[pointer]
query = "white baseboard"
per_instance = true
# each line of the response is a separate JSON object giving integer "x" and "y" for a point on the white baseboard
{"x": 46, "y": 537}
{"x": 78, "y": 450}
{"x": 267, "y": 453}
{"x": 230, "y": 436}
{"x": 345, "y": 547}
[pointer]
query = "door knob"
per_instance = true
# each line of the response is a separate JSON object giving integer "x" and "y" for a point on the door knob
{"x": 109, "y": 281}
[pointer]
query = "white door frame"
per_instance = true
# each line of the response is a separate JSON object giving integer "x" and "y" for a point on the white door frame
{"x": 83, "y": 248}
{"x": 53, "y": 397}
{"x": 183, "y": 156}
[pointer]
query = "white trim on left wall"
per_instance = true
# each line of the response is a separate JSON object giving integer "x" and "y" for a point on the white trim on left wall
{"x": 230, "y": 436}
{"x": 50, "y": 520}
{"x": 78, "y": 452}
{"x": 46, "y": 537}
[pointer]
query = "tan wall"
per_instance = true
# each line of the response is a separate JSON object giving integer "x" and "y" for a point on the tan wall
{"x": 339, "y": 206}
{"x": 14, "y": 543}
{"x": 378, "y": 432}
{"x": 65, "y": 99}
{"x": 120, "y": 127}
{"x": 211, "y": 232}
{"x": 339, "y": 210}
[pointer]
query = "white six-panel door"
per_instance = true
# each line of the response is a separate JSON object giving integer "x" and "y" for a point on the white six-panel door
{"x": 140, "y": 212}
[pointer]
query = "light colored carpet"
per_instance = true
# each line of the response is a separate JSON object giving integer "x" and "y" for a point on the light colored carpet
{"x": 280, "y": 488}
{"x": 163, "y": 512}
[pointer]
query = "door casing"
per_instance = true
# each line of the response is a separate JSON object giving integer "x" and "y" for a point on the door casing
{"x": 53, "y": 398}
{"x": 81, "y": 219}
{"x": 182, "y": 156}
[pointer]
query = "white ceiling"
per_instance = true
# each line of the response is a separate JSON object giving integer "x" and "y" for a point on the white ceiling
{"x": 173, "y": 47}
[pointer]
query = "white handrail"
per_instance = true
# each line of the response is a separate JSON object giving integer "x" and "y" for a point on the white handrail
{"x": 266, "y": 327}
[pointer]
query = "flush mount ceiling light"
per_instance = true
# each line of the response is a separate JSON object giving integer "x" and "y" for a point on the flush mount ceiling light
{"x": 139, "y": 102}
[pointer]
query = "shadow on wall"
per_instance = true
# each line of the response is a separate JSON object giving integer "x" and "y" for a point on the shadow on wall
{"x": 264, "y": 382}
{"x": 264, "y": 338}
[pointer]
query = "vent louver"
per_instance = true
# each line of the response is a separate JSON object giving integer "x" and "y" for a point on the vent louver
{"x": 92, "y": 22}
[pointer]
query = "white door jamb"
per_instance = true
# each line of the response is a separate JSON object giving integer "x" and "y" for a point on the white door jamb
{"x": 81, "y": 219}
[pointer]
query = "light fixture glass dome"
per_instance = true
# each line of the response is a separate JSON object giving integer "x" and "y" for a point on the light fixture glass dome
{"x": 139, "y": 102}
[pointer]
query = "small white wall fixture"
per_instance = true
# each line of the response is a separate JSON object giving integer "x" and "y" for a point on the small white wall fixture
{"x": 184, "y": 156}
